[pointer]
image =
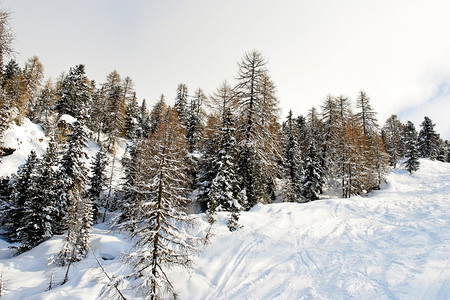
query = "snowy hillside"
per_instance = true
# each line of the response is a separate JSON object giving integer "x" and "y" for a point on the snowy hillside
{"x": 393, "y": 244}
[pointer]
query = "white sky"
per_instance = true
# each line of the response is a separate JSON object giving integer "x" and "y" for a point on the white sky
{"x": 396, "y": 51}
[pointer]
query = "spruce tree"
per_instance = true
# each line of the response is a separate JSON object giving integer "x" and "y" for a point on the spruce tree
{"x": 41, "y": 210}
{"x": 412, "y": 153}
{"x": 312, "y": 179}
{"x": 225, "y": 193}
{"x": 98, "y": 181}
{"x": 22, "y": 186}
{"x": 78, "y": 212}
{"x": 428, "y": 140}
{"x": 74, "y": 93}
{"x": 292, "y": 163}
{"x": 393, "y": 139}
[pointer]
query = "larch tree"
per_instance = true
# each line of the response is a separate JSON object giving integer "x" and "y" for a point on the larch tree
{"x": 257, "y": 129}
{"x": 33, "y": 74}
{"x": 160, "y": 243}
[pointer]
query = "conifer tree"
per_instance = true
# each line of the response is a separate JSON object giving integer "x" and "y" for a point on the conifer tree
{"x": 291, "y": 160}
{"x": 157, "y": 114}
{"x": 74, "y": 93}
{"x": 312, "y": 180}
{"x": 98, "y": 181}
{"x": 22, "y": 186}
{"x": 15, "y": 92}
{"x": 6, "y": 36}
{"x": 132, "y": 129}
{"x": 257, "y": 130}
{"x": 162, "y": 200}
{"x": 393, "y": 139}
{"x": 225, "y": 193}
{"x": 78, "y": 212}
{"x": 181, "y": 102}
{"x": 41, "y": 210}
{"x": 428, "y": 140}
{"x": 412, "y": 153}
{"x": 33, "y": 73}
{"x": 194, "y": 122}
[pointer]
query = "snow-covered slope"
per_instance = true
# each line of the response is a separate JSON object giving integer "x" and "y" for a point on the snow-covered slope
{"x": 393, "y": 244}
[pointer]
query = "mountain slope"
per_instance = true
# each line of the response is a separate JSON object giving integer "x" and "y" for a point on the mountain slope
{"x": 392, "y": 244}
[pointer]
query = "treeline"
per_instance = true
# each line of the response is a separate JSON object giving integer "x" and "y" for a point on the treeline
{"x": 225, "y": 152}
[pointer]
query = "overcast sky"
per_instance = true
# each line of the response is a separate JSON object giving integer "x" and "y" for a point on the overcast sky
{"x": 398, "y": 52}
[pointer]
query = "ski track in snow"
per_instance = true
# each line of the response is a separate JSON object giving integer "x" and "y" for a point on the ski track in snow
{"x": 391, "y": 244}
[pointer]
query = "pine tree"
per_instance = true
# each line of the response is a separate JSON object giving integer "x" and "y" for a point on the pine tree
{"x": 312, "y": 181}
{"x": 132, "y": 128}
{"x": 393, "y": 139}
{"x": 41, "y": 211}
{"x": 428, "y": 140}
{"x": 412, "y": 153}
{"x": 225, "y": 193}
{"x": 78, "y": 213}
{"x": 22, "y": 186}
{"x": 98, "y": 181}
{"x": 181, "y": 102}
{"x": 194, "y": 124}
{"x": 291, "y": 160}
{"x": 74, "y": 93}
{"x": 160, "y": 244}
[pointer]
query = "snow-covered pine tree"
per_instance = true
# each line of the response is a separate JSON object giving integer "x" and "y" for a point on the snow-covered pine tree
{"x": 22, "y": 189}
{"x": 181, "y": 102}
{"x": 428, "y": 140}
{"x": 98, "y": 181}
{"x": 132, "y": 129}
{"x": 411, "y": 151}
{"x": 74, "y": 93}
{"x": 195, "y": 116}
{"x": 292, "y": 163}
{"x": 392, "y": 134}
{"x": 41, "y": 211}
{"x": 225, "y": 193}
{"x": 160, "y": 238}
{"x": 5, "y": 203}
{"x": 78, "y": 216}
{"x": 312, "y": 179}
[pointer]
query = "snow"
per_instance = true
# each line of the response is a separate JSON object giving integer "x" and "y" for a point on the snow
{"x": 23, "y": 139}
{"x": 392, "y": 244}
